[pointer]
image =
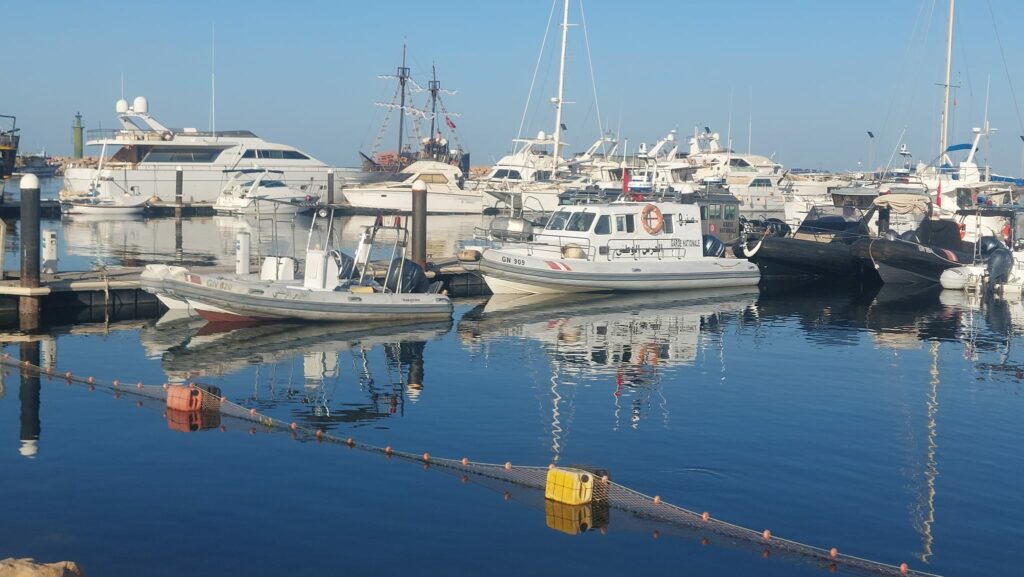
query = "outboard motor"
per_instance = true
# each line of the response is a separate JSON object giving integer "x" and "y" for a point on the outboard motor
{"x": 1000, "y": 261}
{"x": 713, "y": 246}
{"x": 414, "y": 280}
{"x": 891, "y": 235}
{"x": 910, "y": 236}
{"x": 988, "y": 244}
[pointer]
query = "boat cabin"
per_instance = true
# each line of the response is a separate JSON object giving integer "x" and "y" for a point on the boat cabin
{"x": 625, "y": 230}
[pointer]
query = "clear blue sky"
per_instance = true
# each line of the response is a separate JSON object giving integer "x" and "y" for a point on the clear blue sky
{"x": 813, "y": 75}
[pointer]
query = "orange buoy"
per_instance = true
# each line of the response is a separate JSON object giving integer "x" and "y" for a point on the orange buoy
{"x": 117, "y": 383}
{"x": 67, "y": 375}
{"x": 767, "y": 535}
{"x": 508, "y": 465}
{"x": 387, "y": 450}
{"x": 426, "y": 457}
{"x": 904, "y": 568}
{"x": 90, "y": 380}
{"x": 657, "y": 499}
{"x": 138, "y": 385}
{"x": 319, "y": 434}
{"x": 705, "y": 517}
{"x": 349, "y": 441}
{"x": 833, "y": 552}
{"x": 465, "y": 461}
{"x": 293, "y": 426}
{"x": 252, "y": 412}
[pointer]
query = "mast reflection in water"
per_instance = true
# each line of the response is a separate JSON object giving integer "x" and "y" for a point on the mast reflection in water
{"x": 325, "y": 374}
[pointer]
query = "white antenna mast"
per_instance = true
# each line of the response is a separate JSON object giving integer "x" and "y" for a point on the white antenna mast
{"x": 213, "y": 79}
{"x": 750, "y": 120}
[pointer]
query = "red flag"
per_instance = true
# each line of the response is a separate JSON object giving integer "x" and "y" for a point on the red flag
{"x": 938, "y": 195}
{"x": 625, "y": 180}
{"x": 449, "y": 122}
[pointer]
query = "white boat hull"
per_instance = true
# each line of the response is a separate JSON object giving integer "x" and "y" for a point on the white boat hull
{"x": 240, "y": 298}
{"x": 98, "y": 209}
{"x": 516, "y": 273}
{"x": 378, "y": 200}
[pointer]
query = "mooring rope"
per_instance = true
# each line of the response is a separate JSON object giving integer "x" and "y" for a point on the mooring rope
{"x": 607, "y": 492}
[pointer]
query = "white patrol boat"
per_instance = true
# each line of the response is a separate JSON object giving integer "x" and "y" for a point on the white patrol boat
{"x": 618, "y": 246}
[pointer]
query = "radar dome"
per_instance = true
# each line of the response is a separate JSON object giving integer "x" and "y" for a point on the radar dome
{"x": 542, "y": 136}
{"x": 140, "y": 105}
{"x": 444, "y": 142}
{"x": 121, "y": 106}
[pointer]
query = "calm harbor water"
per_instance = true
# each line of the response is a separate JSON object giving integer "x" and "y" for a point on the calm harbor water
{"x": 885, "y": 423}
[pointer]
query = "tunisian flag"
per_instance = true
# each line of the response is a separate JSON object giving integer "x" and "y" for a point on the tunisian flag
{"x": 448, "y": 121}
{"x": 625, "y": 180}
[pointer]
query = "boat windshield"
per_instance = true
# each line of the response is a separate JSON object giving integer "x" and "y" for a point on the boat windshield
{"x": 580, "y": 222}
{"x": 558, "y": 220}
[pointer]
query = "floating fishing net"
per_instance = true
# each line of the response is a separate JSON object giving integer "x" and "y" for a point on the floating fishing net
{"x": 608, "y": 497}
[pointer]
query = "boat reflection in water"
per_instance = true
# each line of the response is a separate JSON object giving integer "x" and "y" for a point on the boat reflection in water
{"x": 625, "y": 342}
{"x": 302, "y": 367}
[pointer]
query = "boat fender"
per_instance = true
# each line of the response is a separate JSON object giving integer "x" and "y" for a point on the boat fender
{"x": 573, "y": 251}
{"x": 469, "y": 255}
{"x": 652, "y": 219}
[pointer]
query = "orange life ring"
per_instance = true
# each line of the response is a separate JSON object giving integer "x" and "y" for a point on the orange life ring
{"x": 1006, "y": 233}
{"x": 652, "y": 219}
{"x": 963, "y": 230}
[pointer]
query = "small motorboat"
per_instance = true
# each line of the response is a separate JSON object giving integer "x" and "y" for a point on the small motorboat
{"x": 97, "y": 205}
{"x": 262, "y": 191}
{"x": 333, "y": 286}
{"x": 924, "y": 254}
{"x": 1002, "y": 272}
{"x": 820, "y": 247}
{"x": 619, "y": 246}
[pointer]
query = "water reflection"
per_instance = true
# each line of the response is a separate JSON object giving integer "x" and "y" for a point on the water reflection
{"x": 326, "y": 374}
{"x": 626, "y": 342}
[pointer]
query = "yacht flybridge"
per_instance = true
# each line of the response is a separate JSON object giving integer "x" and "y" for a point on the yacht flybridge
{"x": 140, "y": 160}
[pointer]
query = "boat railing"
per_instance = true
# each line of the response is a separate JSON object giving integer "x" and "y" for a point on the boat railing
{"x": 126, "y": 134}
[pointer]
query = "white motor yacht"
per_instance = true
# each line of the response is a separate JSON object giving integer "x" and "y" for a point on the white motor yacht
{"x": 446, "y": 192}
{"x": 141, "y": 158}
{"x": 261, "y": 191}
{"x": 618, "y": 246}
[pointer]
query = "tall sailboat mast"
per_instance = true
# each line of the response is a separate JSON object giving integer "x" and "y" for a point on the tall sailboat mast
{"x": 943, "y": 131}
{"x": 561, "y": 88}
{"x": 403, "y": 76}
{"x": 435, "y": 87}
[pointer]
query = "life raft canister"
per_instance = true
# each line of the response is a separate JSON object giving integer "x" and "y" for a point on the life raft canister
{"x": 652, "y": 219}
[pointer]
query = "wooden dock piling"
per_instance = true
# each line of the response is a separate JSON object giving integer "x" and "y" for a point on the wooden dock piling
{"x": 28, "y": 305}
